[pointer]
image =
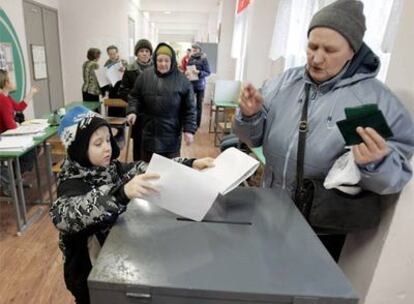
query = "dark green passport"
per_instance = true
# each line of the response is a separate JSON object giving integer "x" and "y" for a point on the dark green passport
{"x": 375, "y": 120}
{"x": 360, "y": 111}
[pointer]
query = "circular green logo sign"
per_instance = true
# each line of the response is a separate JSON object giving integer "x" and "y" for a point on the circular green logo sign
{"x": 11, "y": 55}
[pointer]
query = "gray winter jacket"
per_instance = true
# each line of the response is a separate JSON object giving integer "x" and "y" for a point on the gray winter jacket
{"x": 276, "y": 125}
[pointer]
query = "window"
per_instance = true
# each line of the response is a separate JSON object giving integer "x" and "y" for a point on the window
{"x": 238, "y": 49}
{"x": 290, "y": 31}
{"x": 293, "y": 18}
{"x": 131, "y": 38}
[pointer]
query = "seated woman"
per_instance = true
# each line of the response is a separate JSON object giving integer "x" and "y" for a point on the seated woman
{"x": 8, "y": 109}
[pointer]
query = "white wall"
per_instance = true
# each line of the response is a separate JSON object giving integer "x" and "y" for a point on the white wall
{"x": 258, "y": 65}
{"x": 213, "y": 27}
{"x": 94, "y": 25}
{"x": 146, "y": 29}
{"x": 380, "y": 264}
{"x": 226, "y": 64}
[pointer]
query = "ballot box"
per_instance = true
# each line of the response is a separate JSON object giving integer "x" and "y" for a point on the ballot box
{"x": 252, "y": 247}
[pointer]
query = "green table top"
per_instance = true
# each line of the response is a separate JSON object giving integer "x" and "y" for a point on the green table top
{"x": 49, "y": 132}
{"x": 91, "y": 105}
{"x": 258, "y": 152}
{"x": 225, "y": 104}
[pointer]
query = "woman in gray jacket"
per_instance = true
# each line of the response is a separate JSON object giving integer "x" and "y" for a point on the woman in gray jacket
{"x": 341, "y": 72}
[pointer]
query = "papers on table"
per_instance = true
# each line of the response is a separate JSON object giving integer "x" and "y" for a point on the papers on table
{"x": 36, "y": 121}
{"x": 26, "y": 129}
{"x": 37, "y": 125}
{"x": 190, "y": 193}
{"x": 109, "y": 75}
{"x": 15, "y": 143}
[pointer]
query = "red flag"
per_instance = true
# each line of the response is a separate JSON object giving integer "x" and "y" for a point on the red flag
{"x": 242, "y": 4}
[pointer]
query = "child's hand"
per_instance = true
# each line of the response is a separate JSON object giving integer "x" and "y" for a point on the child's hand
{"x": 140, "y": 185}
{"x": 202, "y": 163}
{"x": 34, "y": 90}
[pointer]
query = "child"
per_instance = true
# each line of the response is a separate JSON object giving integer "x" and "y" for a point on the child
{"x": 8, "y": 109}
{"x": 93, "y": 190}
{"x": 8, "y": 106}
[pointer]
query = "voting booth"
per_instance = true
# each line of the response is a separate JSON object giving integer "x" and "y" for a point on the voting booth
{"x": 252, "y": 247}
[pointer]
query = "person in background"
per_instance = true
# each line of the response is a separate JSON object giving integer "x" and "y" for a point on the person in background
{"x": 8, "y": 106}
{"x": 143, "y": 53}
{"x": 113, "y": 91}
{"x": 165, "y": 98}
{"x": 8, "y": 109}
{"x": 93, "y": 190}
{"x": 90, "y": 87}
{"x": 201, "y": 69}
{"x": 340, "y": 73}
{"x": 184, "y": 61}
{"x": 110, "y": 91}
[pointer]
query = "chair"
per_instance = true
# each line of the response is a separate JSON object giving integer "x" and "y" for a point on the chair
{"x": 114, "y": 103}
{"x": 58, "y": 152}
{"x": 225, "y": 101}
{"x": 118, "y": 122}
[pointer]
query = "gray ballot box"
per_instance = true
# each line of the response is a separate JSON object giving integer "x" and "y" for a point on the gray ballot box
{"x": 252, "y": 247}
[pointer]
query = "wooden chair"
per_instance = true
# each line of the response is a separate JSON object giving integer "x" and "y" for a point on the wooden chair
{"x": 114, "y": 103}
{"x": 58, "y": 151}
{"x": 118, "y": 121}
{"x": 128, "y": 141}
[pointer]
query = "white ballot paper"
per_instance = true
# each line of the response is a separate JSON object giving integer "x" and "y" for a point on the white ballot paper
{"x": 190, "y": 193}
{"x": 192, "y": 75}
{"x": 182, "y": 189}
{"x": 101, "y": 77}
{"x": 113, "y": 74}
{"x": 231, "y": 168}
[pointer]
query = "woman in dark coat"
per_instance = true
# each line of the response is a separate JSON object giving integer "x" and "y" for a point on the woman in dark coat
{"x": 143, "y": 52}
{"x": 201, "y": 68}
{"x": 165, "y": 98}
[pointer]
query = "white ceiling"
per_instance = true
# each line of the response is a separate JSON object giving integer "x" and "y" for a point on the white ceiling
{"x": 186, "y": 18}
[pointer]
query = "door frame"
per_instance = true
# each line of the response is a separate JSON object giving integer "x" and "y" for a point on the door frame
{"x": 43, "y": 6}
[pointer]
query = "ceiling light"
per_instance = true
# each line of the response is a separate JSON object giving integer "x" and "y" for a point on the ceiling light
{"x": 167, "y": 12}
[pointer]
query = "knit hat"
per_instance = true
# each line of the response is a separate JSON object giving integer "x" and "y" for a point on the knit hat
{"x": 164, "y": 50}
{"x": 196, "y": 46}
{"x": 344, "y": 16}
{"x": 75, "y": 131}
{"x": 143, "y": 44}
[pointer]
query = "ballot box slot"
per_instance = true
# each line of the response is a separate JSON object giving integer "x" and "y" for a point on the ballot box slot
{"x": 215, "y": 221}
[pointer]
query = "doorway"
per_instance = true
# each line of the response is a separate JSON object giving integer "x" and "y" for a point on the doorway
{"x": 43, "y": 48}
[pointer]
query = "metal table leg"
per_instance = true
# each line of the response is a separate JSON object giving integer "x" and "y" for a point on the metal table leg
{"x": 215, "y": 125}
{"x": 48, "y": 155}
{"x": 38, "y": 184}
{"x": 19, "y": 184}
{"x": 19, "y": 222}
